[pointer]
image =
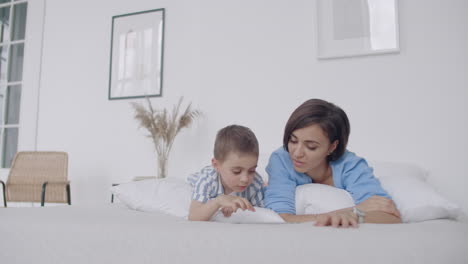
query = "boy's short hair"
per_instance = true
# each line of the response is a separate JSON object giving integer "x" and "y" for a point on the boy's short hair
{"x": 235, "y": 138}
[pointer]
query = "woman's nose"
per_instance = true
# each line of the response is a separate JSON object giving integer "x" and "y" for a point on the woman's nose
{"x": 298, "y": 151}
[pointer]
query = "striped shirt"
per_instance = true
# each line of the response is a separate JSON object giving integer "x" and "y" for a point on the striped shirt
{"x": 206, "y": 185}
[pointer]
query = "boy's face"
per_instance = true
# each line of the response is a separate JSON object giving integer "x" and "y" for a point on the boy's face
{"x": 237, "y": 171}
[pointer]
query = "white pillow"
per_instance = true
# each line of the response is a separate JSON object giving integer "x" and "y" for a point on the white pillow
{"x": 168, "y": 195}
{"x": 261, "y": 215}
{"x": 384, "y": 169}
{"x": 317, "y": 198}
{"x": 173, "y": 197}
{"x": 415, "y": 198}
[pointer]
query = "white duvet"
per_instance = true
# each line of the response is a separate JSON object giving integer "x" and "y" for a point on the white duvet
{"x": 113, "y": 234}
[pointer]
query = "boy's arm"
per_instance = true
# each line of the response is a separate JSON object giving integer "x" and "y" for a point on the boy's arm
{"x": 204, "y": 211}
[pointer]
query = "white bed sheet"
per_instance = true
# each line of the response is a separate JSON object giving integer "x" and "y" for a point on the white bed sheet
{"x": 113, "y": 234}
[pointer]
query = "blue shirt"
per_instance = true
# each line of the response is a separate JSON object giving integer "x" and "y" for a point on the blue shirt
{"x": 206, "y": 185}
{"x": 350, "y": 173}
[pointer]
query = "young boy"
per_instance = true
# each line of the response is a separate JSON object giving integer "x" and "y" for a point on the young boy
{"x": 231, "y": 182}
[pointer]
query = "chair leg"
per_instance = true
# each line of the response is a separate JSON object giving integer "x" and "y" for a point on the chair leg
{"x": 44, "y": 185}
{"x": 112, "y": 195}
{"x": 4, "y": 196}
{"x": 68, "y": 194}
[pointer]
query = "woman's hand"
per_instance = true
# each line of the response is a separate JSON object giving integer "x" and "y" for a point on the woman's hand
{"x": 340, "y": 218}
{"x": 379, "y": 203}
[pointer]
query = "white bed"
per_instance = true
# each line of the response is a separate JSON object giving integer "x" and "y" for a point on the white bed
{"x": 115, "y": 234}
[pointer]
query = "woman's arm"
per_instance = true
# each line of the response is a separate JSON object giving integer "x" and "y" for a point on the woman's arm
{"x": 291, "y": 218}
{"x": 379, "y": 209}
{"x": 339, "y": 218}
{"x": 280, "y": 193}
{"x": 343, "y": 217}
{"x": 379, "y": 217}
{"x": 359, "y": 180}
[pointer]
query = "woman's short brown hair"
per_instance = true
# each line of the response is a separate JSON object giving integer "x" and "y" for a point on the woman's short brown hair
{"x": 235, "y": 138}
{"x": 331, "y": 118}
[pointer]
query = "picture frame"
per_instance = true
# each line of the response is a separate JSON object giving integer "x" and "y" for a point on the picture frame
{"x": 136, "y": 56}
{"x": 348, "y": 28}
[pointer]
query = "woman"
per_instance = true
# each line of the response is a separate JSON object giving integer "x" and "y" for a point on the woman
{"x": 314, "y": 151}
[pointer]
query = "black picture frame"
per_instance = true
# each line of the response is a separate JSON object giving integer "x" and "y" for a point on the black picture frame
{"x": 136, "y": 55}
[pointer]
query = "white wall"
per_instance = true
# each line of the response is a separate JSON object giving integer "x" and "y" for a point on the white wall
{"x": 252, "y": 63}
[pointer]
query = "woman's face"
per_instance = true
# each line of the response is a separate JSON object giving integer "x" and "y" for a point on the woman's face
{"x": 309, "y": 148}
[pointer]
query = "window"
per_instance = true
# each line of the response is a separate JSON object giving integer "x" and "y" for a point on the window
{"x": 12, "y": 41}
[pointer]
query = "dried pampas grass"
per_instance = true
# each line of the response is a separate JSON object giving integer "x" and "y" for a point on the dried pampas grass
{"x": 163, "y": 127}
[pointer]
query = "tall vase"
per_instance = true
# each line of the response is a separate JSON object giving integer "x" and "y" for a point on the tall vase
{"x": 162, "y": 166}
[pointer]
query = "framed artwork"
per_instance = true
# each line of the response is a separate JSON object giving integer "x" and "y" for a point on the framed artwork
{"x": 136, "y": 59}
{"x": 347, "y": 28}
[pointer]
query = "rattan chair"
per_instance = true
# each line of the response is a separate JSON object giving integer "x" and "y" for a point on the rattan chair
{"x": 38, "y": 176}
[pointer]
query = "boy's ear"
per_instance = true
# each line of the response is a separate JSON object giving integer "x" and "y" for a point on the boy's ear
{"x": 215, "y": 163}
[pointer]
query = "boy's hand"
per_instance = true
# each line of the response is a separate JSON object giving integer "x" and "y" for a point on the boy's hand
{"x": 234, "y": 203}
{"x": 227, "y": 212}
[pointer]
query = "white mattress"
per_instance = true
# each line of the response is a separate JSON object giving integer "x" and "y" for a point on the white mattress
{"x": 113, "y": 234}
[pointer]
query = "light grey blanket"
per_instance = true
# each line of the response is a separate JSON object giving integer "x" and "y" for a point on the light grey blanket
{"x": 113, "y": 234}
